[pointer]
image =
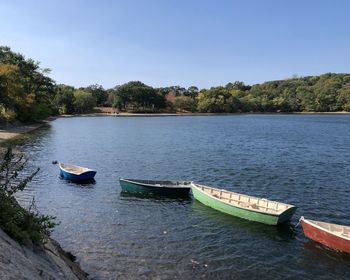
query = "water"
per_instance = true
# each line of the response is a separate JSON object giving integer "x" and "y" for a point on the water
{"x": 302, "y": 160}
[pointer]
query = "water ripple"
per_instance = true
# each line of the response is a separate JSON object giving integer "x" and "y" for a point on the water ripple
{"x": 304, "y": 160}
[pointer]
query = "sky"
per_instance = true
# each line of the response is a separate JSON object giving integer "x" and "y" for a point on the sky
{"x": 179, "y": 42}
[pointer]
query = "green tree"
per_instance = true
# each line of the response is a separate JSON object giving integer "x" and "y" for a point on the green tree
{"x": 32, "y": 85}
{"x": 64, "y": 101}
{"x": 192, "y": 91}
{"x": 138, "y": 97}
{"x": 237, "y": 85}
{"x": 185, "y": 103}
{"x": 99, "y": 93}
{"x": 344, "y": 99}
{"x": 84, "y": 101}
{"x": 11, "y": 92}
{"x": 217, "y": 100}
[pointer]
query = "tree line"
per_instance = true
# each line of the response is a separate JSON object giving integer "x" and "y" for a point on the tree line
{"x": 28, "y": 94}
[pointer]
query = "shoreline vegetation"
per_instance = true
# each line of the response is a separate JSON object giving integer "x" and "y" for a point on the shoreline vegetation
{"x": 106, "y": 111}
{"x": 26, "y": 248}
{"x": 28, "y": 94}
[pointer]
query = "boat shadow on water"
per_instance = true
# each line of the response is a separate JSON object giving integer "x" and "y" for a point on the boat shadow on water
{"x": 83, "y": 184}
{"x": 283, "y": 232}
{"x": 154, "y": 197}
{"x": 324, "y": 255}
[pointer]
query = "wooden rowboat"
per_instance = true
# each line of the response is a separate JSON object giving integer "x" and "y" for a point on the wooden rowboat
{"x": 331, "y": 235}
{"x": 247, "y": 207}
{"x": 167, "y": 188}
{"x": 76, "y": 173}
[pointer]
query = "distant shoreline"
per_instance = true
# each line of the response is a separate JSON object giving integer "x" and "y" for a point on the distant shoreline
{"x": 124, "y": 114}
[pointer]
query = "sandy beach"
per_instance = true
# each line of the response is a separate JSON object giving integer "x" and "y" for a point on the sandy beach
{"x": 10, "y": 131}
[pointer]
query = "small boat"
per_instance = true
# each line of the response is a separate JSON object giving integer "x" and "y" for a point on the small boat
{"x": 331, "y": 235}
{"x": 167, "y": 188}
{"x": 244, "y": 206}
{"x": 76, "y": 173}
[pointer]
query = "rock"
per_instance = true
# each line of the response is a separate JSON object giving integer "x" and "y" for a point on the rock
{"x": 23, "y": 262}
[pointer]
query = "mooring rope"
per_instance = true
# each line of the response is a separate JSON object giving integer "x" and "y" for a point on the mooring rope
{"x": 299, "y": 221}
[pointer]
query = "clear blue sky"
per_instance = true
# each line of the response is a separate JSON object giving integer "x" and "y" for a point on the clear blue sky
{"x": 179, "y": 42}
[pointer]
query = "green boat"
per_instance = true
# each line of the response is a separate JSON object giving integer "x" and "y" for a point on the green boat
{"x": 166, "y": 188}
{"x": 243, "y": 206}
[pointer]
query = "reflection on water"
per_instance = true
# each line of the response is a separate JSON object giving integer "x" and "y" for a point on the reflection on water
{"x": 282, "y": 232}
{"x": 323, "y": 256}
{"x": 86, "y": 183}
{"x": 154, "y": 197}
{"x": 301, "y": 160}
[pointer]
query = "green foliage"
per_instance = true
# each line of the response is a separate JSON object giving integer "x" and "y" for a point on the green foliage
{"x": 25, "y": 88}
{"x": 218, "y": 100}
{"x": 137, "y": 97}
{"x": 84, "y": 101}
{"x": 11, "y": 92}
{"x": 64, "y": 100}
{"x": 185, "y": 103}
{"x": 28, "y": 94}
{"x": 24, "y": 225}
{"x": 343, "y": 98}
{"x": 192, "y": 91}
{"x": 325, "y": 93}
{"x": 99, "y": 93}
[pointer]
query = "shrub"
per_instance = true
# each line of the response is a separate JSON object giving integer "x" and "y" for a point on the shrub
{"x": 24, "y": 225}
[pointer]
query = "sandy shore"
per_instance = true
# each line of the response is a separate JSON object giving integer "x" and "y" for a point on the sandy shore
{"x": 124, "y": 114}
{"x": 8, "y": 132}
{"x": 141, "y": 114}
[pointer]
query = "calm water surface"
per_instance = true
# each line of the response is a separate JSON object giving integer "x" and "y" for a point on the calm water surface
{"x": 302, "y": 160}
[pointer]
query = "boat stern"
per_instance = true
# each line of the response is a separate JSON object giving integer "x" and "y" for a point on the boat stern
{"x": 287, "y": 215}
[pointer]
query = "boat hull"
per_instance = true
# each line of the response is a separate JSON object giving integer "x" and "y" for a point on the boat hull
{"x": 86, "y": 176}
{"x": 247, "y": 214}
{"x": 329, "y": 240}
{"x": 134, "y": 187}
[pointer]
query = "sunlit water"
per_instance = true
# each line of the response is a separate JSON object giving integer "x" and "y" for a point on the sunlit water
{"x": 302, "y": 160}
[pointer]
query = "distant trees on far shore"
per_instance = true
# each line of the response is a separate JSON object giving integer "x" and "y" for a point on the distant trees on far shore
{"x": 28, "y": 94}
{"x": 135, "y": 96}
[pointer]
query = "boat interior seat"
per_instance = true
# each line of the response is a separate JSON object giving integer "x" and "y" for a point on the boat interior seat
{"x": 248, "y": 204}
{"x": 262, "y": 204}
{"x": 240, "y": 202}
